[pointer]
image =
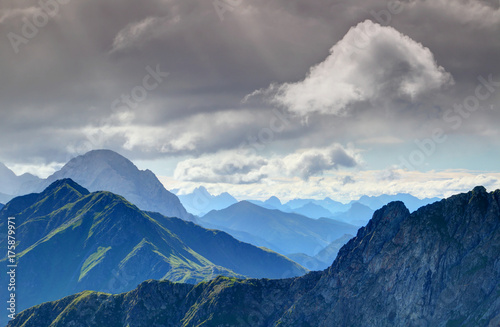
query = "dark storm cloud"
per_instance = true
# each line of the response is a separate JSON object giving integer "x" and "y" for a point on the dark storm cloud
{"x": 57, "y": 91}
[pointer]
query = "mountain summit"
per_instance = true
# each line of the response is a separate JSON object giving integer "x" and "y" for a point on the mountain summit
{"x": 105, "y": 170}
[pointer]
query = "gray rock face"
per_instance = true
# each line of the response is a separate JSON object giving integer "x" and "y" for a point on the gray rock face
{"x": 439, "y": 266}
{"x": 105, "y": 170}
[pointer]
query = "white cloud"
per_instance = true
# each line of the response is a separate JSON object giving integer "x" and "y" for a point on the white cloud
{"x": 371, "y": 63}
{"x": 314, "y": 162}
{"x": 228, "y": 167}
{"x": 138, "y": 33}
{"x": 244, "y": 167}
{"x": 339, "y": 186}
{"x": 39, "y": 169}
{"x": 198, "y": 132}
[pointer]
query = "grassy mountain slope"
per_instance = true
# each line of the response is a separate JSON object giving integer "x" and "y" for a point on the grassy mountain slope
{"x": 99, "y": 241}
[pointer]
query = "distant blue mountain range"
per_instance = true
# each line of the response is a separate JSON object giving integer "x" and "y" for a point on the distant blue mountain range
{"x": 357, "y": 212}
{"x": 200, "y": 202}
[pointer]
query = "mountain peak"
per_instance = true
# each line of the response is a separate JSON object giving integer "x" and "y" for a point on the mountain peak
{"x": 106, "y": 170}
{"x": 391, "y": 215}
{"x": 479, "y": 189}
{"x": 273, "y": 201}
{"x": 65, "y": 182}
{"x": 99, "y": 157}
{"x": 203, "y": 191}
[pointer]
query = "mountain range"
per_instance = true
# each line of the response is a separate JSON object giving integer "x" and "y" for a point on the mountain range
{"x": 356, "y": 212}
{"x": 282, "y": 232}
{"x": 437, "y": 266}
{"x": 12, "y": 185}
{"x": 70, "y": 240}
{"x": 103, "y": 170}
{"x": 200, "y": 201}
{"x": 324, "y": 258}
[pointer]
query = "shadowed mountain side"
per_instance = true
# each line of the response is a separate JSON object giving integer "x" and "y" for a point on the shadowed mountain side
{"x": 99, "y": 241}
{"x": 283, "y": 232}
{"x": 435, "y": 267}
{"x": 240, "y": 257}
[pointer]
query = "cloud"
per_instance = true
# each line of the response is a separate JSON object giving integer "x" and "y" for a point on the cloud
{"x": 390, "y": 174}
{"x": 484, "y": 13}
{"x": 420, "y": 184}
{"x": 16, "y": 12}
{"x": 348, "y": 180}
{"x": 229, "y": 168}
{"x": 313, "y": 162}
{"x": 67, "y": 68}
{"x": 138, "y": 33}
{"x": 370, "y": 63}
{"x": 244, "y": 168}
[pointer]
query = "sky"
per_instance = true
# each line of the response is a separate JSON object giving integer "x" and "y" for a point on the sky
{"x": 290, "y": 98}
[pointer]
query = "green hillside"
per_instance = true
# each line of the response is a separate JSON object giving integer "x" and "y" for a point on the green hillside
{"x": 99, "y": 241}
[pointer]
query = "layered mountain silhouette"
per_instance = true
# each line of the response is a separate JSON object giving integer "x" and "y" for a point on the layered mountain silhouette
{"x": 438, "y": 266}
{"x": 12, "y": 185}
{"x": 71, "y": 240}
{"x": 282, "y": 232}
{"x": 324, "y": 258}
{"x": 105, "y": 170}
{"x": 101, "y": 170}
{"x": 312, "y": 210}
{"x": 358, "y": 214}
{"x": 200, "y": 201}
{"x": 410, "y": 201}
{"x": 327, "y": 203}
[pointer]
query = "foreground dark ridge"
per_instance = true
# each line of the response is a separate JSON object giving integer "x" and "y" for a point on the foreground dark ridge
{"x": 439, "y": 266}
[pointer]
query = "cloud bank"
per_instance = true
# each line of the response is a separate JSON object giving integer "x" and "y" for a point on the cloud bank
{"x": 371, "y": 63}
{"x": 245, "y": 168}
